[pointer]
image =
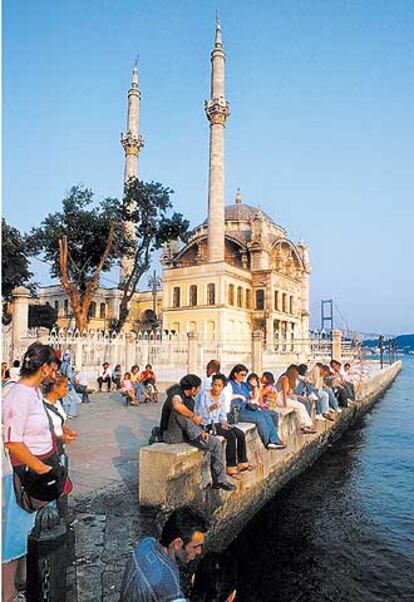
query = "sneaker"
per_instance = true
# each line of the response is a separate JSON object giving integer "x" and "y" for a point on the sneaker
{"x": 320, "y": 417}
{"x": 226, "y": 486}
{"x": 313, "y": 397}
{"x": 276, "y": 446}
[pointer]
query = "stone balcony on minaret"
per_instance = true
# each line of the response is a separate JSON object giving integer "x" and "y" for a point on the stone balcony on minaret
{"x": 133, "y": 143}
{"x": 217, "y": 110}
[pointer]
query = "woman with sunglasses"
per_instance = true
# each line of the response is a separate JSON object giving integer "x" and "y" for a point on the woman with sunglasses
{"x": 263, "y": 421}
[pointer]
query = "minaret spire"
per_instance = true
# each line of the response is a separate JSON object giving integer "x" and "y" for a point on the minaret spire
{"x": 217, "y": 111}
{"x": 132, "y": 142}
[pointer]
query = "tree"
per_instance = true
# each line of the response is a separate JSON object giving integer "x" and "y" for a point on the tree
{"x": 14, "y": 261}
{"x": 80, "y": 242}
{"x": 146, "y": 206}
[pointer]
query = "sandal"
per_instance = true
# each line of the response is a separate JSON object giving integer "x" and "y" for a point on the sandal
{"x": 248, "y": 467}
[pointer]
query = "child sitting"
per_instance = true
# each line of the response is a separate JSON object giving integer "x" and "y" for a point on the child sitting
{"x": 127, "y": 389}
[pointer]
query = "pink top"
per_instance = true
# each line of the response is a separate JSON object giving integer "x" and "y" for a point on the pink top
{"x": 25, "y": 419}
{"x": 126, "y": 385}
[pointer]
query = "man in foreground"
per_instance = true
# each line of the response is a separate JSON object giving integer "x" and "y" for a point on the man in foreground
{"x": 151, "y": 574}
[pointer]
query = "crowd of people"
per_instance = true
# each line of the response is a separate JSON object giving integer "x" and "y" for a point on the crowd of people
{"x": 42, "y": 392}
{"x": 137, "y": 387}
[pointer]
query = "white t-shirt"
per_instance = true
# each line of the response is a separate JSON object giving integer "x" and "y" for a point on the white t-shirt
{"x": 56, "y": 420}
{"x": 25, "y": 419}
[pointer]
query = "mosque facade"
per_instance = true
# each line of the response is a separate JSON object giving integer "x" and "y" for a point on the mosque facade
{"x": 239, "y": 271}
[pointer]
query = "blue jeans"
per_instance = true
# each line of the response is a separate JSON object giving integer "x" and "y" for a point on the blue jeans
{"x": 139, "y": 391}
{"x": 263, "y": 420}
{"x": 333, "y": 402}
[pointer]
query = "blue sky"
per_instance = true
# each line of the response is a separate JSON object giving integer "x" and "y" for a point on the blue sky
{"x": 321, "y": 134}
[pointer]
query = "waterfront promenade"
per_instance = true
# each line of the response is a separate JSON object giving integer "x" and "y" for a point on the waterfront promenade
{"x": 104, "y": 504}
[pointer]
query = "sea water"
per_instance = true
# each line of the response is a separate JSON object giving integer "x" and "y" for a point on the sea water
{"x": 344, "y": 530}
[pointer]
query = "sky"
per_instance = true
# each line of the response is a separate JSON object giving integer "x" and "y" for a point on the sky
{"x": 321, "y": 134}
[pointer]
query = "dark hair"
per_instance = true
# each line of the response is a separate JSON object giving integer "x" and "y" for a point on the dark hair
{"x": 334, "y": 363}
{"x": 319, "y": 364}
{"x": 182, "y": 523}
{"x": 302, "y": 369}
{"x": 270, "y": 379}
{"x": 221, "y": 377}
{"x": 47, "y": 387}
{"x": 117, "y": 367}
{"x": 148, "y": 366}
{"x": 215, "y": 578}
{"x": 16, "y": 363}
{"x": 189, "y": 381}
{"x": 253, "y": 375}
{"x": 35, "y": 357}
{"x": 213, "y": 365}
{"x": 347, "y": 365}
{"x": 134, "y": 366}
{"x": 236, "y": 369}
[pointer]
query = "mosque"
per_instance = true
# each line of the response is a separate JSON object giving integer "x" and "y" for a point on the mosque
{"x": 238, "y": 273}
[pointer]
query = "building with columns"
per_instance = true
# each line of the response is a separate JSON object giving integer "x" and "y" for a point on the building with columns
{"x": 237, "y": 274}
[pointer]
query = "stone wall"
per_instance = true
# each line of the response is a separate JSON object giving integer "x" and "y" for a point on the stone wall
{"x": 172, "y": 475}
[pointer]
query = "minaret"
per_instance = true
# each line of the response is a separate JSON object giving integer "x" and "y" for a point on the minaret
{"x": 217, "y": 110}
{"x": 132, "y": 143}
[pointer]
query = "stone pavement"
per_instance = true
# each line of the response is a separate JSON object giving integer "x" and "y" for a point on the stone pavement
{"x": 103, "y": 508}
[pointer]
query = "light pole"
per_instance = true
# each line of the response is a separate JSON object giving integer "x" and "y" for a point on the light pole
{"x": 155, "y": 283}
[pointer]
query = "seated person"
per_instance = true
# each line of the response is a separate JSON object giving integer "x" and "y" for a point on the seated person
{"x": 104, "y": 376}
{"x": 152, "y": 571}
{"x": 327, "y": 386}
{"x": 116, "y": 376}
{"x": 210, "y": 405}
{"x": 268, "y": 390}
{"x": 137, "y": 384}
{"x": 180, "y": 422}
{"x": 213, "y": 367}
{"x": 287, "y": 398}
{"x": 241, "y": 393}
{"x": 310, "y": 385}
{"x": 79, "y": 387}
{"x": 127, "y": 389}
{"x": 338, "y": 383}
{"x": 148, "y": 378}
{"x": 349, "y": 381}
{"x": 256, "y": 396}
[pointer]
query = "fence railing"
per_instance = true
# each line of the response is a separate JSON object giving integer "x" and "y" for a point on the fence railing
{"x": 170, "y": 354}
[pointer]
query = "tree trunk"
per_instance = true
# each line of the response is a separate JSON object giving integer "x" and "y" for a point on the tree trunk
{"x": 80, "y": 303}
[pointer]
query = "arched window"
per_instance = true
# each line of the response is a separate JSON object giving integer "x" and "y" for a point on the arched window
{"x": 57, "y": 308}
{"x": 231, "y": 294}
{"x": 248, "y": 298}
{"x": 193, "y": 295}
{"x": 239, "y": 296}
{"x": 211, "y": 294}
{"x": 284, "y": 302}
{"x": 176, "y": 296}
{"x": 260, "y": 299}
{"x": 277, "y": 301}
{"x": 92, "y": 309}
{"x": 175, "y": 328}
{"x": 193, "y": 327}
{"x": 102, "y": 311}
{"x": 66, "y": 308}
{"x": 291, "y": 304}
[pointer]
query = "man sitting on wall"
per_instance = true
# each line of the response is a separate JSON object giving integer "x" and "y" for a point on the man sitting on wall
{"x": 180, "y": 423}
{"x": 338, "y": 384}
{"x": 152, "y": 571}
